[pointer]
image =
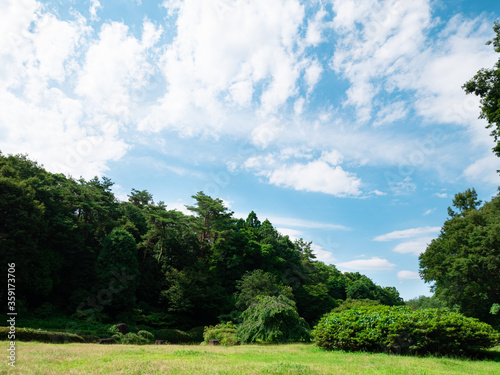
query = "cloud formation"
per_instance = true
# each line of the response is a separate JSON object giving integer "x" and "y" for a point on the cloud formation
{"x": 372, "y": 264}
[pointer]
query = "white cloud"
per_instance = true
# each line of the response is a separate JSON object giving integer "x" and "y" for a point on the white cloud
{"x": 376, "y": 39}
{"x": 403, "y": 187}
{"x": 316, "y": 176}
{"x": 373, "y": 264}
{"x": 391, "y": 113}
{"x": 301, "y": 223}
{"x": 114, "y": 67}
{"x": 179, "y": 206}
{"x": 322, "y": 175}
{"x": 313, "y": 74}
{"x": 416, "y": 247}
{"x": 94, "y": 5}
{"x": 244, "y": 53}
{"x": 315, "y": 28}
{"x": 441, "y": 195}
{"x": 44, "y": 119}
{"x": 323, "y": 255}
{"x": 407, "y": 233}
{"x": 294, "y": 234}
{"x": 484, "y": 169}
{"x": 429, "y": 211}
{"x": 408, "y": 275}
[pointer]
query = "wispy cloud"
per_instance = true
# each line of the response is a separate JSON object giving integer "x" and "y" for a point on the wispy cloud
{"x": 407, "y": 233}
{"x": 373, "y": 264}
{"x": 416, "y": 247}
{"x": 408, "y": 275}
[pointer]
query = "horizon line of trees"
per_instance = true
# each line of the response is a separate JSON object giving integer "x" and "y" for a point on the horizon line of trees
{"x": 80, "y": 251}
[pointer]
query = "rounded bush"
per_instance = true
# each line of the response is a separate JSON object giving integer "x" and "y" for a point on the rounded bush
{"x": 400, "y": 330}
{"x": 225, "y": 332}
{"x": 272, "y": 320}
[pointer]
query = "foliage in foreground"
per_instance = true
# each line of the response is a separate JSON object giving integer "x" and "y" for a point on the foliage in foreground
{"x": 400, "y": 330}
{"x": 272, "y": 319}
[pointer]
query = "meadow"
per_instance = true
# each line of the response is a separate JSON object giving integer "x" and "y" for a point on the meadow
{"x": 49, "y": 359}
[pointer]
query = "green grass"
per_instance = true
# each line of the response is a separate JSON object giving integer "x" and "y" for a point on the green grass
{"x": 47, "y": 359}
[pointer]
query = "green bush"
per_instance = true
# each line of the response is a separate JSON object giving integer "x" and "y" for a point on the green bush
{"x": 272, "y": 319}
{"x": 350, "y": 303}
{"x": 28, "y": 334}
{"x": 400, "y": 330}
{"x": 225, "y": 332}
{"x": 148, "y": 336}
{"x": 132, "y": 338}
{"x": 176, "y": 336}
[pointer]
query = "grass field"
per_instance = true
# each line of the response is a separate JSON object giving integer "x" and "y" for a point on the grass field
{"x": 44, "y": 359}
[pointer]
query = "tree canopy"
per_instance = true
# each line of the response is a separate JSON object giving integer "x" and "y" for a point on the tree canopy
{"x": 464, "y": 261}
{"x": 486, "y": 85}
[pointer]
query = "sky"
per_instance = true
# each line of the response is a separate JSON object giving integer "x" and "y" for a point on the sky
{"x": 343, "y": 122}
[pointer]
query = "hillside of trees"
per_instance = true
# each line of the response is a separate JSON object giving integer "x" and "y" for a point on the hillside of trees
{"x": 81, "y": 253}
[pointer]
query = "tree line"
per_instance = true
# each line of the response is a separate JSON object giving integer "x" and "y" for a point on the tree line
{"x": 80, "y": 251}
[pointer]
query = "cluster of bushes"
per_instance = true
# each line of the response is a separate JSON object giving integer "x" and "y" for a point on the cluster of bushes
{"x": 400, "y": 330}
{"x": 269, "y": 319}
{"x": 29, "y": 334}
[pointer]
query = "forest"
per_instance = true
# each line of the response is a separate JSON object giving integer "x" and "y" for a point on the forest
{"x": 81, "y": 253}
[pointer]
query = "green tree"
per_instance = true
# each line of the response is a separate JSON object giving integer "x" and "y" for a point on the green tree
{"x": 117, "y": 272}
{"x": 272, "y": 319}
{"x": 486, "y": 85}
{"x": 464, "y": 202}
{"x": 259, "y": 283}
{"x": 213, "y": 219}
{"x": 464, "y": 261}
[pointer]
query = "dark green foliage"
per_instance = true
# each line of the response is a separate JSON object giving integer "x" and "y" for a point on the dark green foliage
{"x": 272, "y": 319}
{"x": 225, "y": 332}
{"x": 361, "y": 287}
{"x": 313, "y": 301}
{"x": 30, "y": 334}
{"x": 117, "y": 272}
{"x": 400, "y": 330}
{"x": 464, "y": 261}
{"x": 176, "y": 336}
{"x": 148, "y": 336}
{"x": 259, "y": 283}
{"x": 424, "y": 302}
{"x": 486, "y": 85}
{"x": 351, "y": 303}
{"x": 140, "y": 338}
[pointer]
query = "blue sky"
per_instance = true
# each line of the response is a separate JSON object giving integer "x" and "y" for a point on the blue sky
{"x": 341, "y": 121}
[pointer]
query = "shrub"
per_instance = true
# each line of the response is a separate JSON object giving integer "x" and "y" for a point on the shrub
{"x": 132, "y": 338}
{"x": 350, "y": 303}
{"x": 28, "y": 334}
{"x": 225, "y": 332}
{"x": 148, "y": 336}
{"x": 196, "y": 334}
{"x": 400, "y": 330}
{"x": 272, "y": 319}
{"x": 176, "y": 336}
